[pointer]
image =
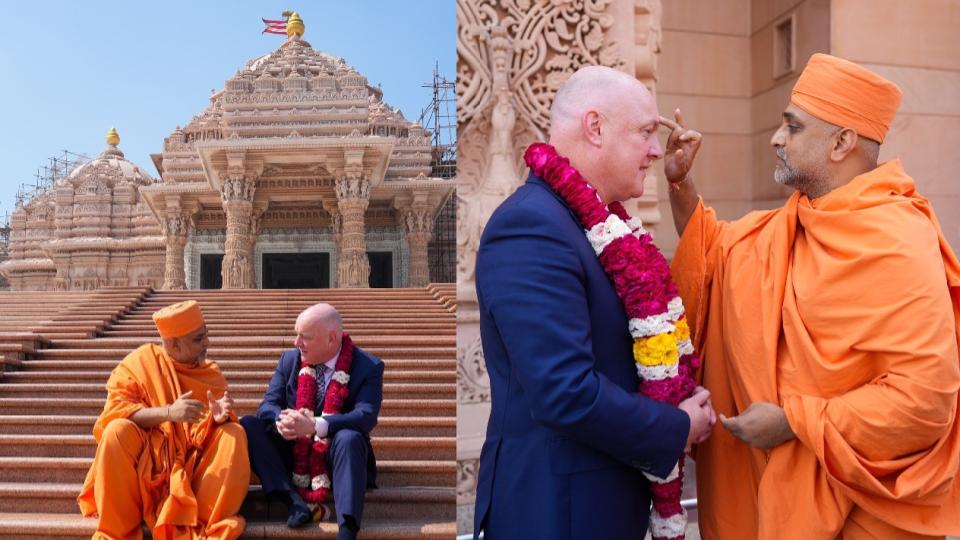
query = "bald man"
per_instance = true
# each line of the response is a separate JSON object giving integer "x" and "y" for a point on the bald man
{"x": 569, "y": 437}
{"x": 311, "y": 434}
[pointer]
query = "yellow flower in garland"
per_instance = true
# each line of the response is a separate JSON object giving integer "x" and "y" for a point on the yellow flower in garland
{"x": 682, "y": 332}
{"x": 656, "y": 350}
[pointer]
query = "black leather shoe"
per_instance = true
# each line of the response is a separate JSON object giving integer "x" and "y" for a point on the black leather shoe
{"x": 348, "y": 530}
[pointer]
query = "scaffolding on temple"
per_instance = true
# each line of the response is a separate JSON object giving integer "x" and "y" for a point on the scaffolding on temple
{"x": 439, "y": 118}
{"x": 60, "y": 167}
{"x": 4, "y": 234}
{"x": 4, "y": 246}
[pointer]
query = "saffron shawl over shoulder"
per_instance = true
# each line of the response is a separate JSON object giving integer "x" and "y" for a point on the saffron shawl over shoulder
{"x": 147, "y": 377}
{"x": 843, "y": 310}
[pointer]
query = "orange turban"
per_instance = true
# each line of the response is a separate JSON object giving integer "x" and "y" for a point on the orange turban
{"x": 178, "y": 319}
{"x": 847, "y": 95}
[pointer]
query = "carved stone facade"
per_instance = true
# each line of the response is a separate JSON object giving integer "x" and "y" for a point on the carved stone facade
{"x": 91, "y": 229}
{"x": 513, "y": 55}
{"x": 296, "y": 139}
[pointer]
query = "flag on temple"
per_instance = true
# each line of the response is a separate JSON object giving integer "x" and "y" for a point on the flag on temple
{"x": 274, "y": 27}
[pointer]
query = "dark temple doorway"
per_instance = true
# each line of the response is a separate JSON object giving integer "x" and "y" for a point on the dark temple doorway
{"x": 381, "y": 269}
{"x": 296, "y": 270}
{"x": 210, "y": 266}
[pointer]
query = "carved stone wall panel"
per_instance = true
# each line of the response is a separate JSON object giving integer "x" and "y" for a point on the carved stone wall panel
{"x": 473, "y": 383}
{"x": 466, "y": 493}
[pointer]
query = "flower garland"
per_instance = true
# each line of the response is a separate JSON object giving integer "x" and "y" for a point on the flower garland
{"x": 310, "y": 470}
{"x": 641, "y": 276}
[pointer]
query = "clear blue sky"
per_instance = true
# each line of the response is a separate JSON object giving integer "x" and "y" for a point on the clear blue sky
{"x": 70, "y": 70}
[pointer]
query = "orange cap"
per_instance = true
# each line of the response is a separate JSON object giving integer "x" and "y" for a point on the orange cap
{"x": 178, "y": 319}
{"x": 847, "y": 95}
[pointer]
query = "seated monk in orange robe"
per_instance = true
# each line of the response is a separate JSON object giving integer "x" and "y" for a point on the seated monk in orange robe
{"x": 161, "y": 457}
{"x": 828, "y": 331}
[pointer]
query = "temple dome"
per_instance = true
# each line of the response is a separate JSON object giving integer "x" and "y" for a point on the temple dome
{"x": 110, "y": 168}
{"x": 293, "y": 91}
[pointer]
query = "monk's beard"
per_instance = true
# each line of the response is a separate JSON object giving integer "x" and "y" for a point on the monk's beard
{"x": 810, "y": 182}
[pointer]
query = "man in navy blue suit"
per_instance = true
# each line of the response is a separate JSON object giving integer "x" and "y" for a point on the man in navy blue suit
{"x": 569, "y": 436}
{"x": 271, "y": 433}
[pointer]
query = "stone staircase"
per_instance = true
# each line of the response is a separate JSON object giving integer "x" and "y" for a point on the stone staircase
{"x": 72, "y": 340}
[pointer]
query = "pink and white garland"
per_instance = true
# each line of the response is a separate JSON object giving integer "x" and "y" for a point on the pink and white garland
{"x": 310, "y": 471}
{"x": 641, "y": 276}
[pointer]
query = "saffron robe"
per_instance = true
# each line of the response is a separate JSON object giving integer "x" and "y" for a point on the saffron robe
{"x": 842, "y": 310}
{"x": 184, "y": 480}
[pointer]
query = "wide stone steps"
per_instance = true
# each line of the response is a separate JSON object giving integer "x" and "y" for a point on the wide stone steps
{"x": 388, "y": 448}
{"x": 239, "y": 329}
{"x": 233, "y": 375}
{"x": 371, "y": 312}
{"x": 68, "y": 390}
{"x": 382, "y": 504}
{"x": 275, "y": 343}
{"x": 82, "y": 424}
{"x": 70, "y": 526}
{"x": 256, "y": 303}
{"x": 224, "y": 354}
{"x": 74, "y": 469}
{"x": 228, "y": 366}
{"x": 45, "y": 405}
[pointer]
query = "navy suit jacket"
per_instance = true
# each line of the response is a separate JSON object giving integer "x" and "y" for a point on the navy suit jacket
{"x": 568, "y": 434}
{"x": 360, "y": 410}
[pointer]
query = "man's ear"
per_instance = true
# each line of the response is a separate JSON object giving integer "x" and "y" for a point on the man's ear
{"x": 591, "y": 123}
{"x": 844, "y": 143}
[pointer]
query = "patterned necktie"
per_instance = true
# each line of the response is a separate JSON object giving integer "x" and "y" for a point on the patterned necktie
{"x": 321, "y": 386}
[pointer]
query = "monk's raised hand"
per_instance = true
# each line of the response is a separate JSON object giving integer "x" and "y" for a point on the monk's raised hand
{"x": 762, "y": 425}
{"x": 220, "y": 408}
{"x": 682, "y": 146}
{"x": 185, "y": 409}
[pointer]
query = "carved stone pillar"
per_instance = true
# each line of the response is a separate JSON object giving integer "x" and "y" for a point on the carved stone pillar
{"x": 332, "y": 208}
{"x": 353, "y": 197}
{"x": 237, "y": 194}
{"x": 176, "y": 229}
{"x": 418, "y": 225}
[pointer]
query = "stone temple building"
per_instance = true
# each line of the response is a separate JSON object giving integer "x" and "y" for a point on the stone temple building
{"x": 297, "y": 175}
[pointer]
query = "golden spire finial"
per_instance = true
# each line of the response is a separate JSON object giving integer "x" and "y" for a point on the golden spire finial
{"x": 294, "y": 24}
{"x": 113, "y": 138}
